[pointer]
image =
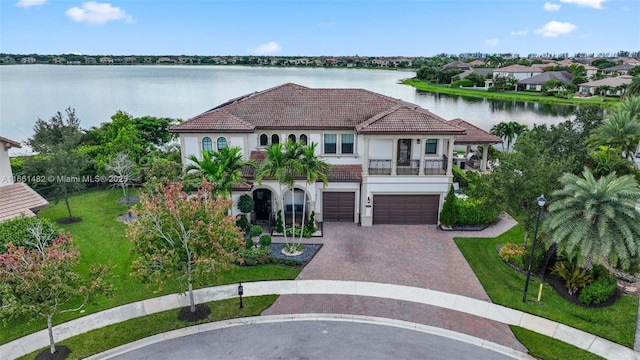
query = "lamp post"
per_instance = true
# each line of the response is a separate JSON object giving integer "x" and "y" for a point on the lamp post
{"x": 240, "y": 292}
{"x": 541, "y": 202}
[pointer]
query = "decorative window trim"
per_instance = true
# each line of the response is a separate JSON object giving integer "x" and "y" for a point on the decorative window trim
{"x": 207, "y": 140}
{"x": 225, "y": 143}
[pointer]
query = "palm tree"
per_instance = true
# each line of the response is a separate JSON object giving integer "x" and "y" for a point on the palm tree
{"x": 292, "y": 155}
{"x": 222, "y": 167}
{"x": 620, "y": 130}
{"x": 313, "y": 169}
{"x": 596, "y": 220}
{"x": 500, "y": 131}
{"x": 508, "y": 131}
{"x": 634, "y": 87}
{"x": 632, "y": 105}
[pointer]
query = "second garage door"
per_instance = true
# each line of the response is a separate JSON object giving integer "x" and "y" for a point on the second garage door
{"x": 405, "y": 209}
{"x": 338, "y": 206}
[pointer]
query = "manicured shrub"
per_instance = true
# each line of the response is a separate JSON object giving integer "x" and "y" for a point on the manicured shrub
{"x": 310, "y": 227}
{"x": 249, "y": 243}
{"x": 601, "y": 289}
{"x": 255, "y": 230}
{"x": 279, "y": 223}
{"x": 243, "y": 223}
{"x": 462, "y": 83}
{"x": 17, "y": 232}
{"x": 449, "y": 212}
{"x": 510, "y": 251}
{"x": 254, "y": 253}
{"x": 459, "y": 176}
{"x": 265, "y": 240}
{"x": 575, "y": 277}
{"x": 472, "y": 212}
{"x": 245, "y": 203}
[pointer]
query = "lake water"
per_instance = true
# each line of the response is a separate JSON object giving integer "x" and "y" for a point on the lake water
{"x": 29, "y": 92}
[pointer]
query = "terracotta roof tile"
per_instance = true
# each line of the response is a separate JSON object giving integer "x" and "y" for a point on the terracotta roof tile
{"x": 19, "y": 198}
{"x": 292, "y": 106}
{"x": 474, "y": 134}
{"x": 404, "y": 118}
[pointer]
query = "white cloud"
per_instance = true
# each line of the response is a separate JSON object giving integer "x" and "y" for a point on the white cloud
{"x": 97, "y": 13}
{"x": 266, "y": 49}
{"x": 556, "y": 28}
{"x": 596, "y": 4}
{"x": 520, "y": 32}
{"x": 491, "y": 42}
{"x": 551, "y": 7}
{"x": 29, "y": 3}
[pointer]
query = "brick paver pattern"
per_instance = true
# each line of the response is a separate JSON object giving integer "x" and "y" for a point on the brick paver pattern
{"x": 418, "y": 255}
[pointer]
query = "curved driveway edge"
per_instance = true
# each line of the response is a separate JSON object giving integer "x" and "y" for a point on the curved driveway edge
{"x": 120, "y": 350}
{"x": 578, "y": 338}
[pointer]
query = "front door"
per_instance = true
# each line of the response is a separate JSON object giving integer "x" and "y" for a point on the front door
{"x": 404, "y": 152}
{"x": 262, "y": 200}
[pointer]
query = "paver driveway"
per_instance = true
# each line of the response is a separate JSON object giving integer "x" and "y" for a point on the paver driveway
{"x": 417, "y": 255}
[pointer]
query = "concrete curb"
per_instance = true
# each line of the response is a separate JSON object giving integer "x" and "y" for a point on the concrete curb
{"x": 578, "y": 338}
{"x": 310, "y": 317}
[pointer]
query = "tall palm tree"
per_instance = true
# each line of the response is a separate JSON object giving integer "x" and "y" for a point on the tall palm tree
{"x": 632, "y": 105}
{"x": 500, "y": 130}
{"x": 596, "y": 220}
{"x": 292, "y": 155}
{"x": 508, "y": 131}
{"x": 634, "y": 87}
{"x": 222, "y": 167}
{"x": 314, "y": 169}
{"x": 620, "y": 130}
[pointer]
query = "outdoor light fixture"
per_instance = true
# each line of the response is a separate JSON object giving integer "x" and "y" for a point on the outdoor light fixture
{"x": 368, "y": 202}
{"x": 240, "y": 292}
{"x": 541, "y": 202}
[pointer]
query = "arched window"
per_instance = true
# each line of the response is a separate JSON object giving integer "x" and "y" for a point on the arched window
{"x": 292, "y": 137}
{"x": 207, "y": 145}
{"x": 264, "y": 140}
{"x": 275, "y": 139}
{"x": 303, "y": 139}
{"x": 222, "y": 143}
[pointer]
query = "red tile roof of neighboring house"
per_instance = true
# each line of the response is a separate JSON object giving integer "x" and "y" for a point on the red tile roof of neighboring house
{"x": 516, "y": 68}
{"x": 19, "y": 199}
{"x": 474, "y": 134}
{"x": 292, "y": 106}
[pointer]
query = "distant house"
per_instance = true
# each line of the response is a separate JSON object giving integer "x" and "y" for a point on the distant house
{"x": 476, "y": 63}
{"x": 535, "y": 82}
{"x": 8, "y": 60}
{"x": 165, "y": 60}
{"x": 459, "y": 65}
{"x": 58, "y": 60}
{"x": 28, "y": 60}
{"x": 520, "y": 72}
{"x": 106, "y": 60}
{"x": 90, "y": 60}
{"x": 17, "y": 198}
{"x": 612, "y": 85}
{"x": 130, "y": 60}
{"x": 480, "y": 71}
{"x": 619, "y": 69}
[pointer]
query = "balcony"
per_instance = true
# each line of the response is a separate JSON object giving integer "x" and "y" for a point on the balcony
{"x": 412, "y": 167}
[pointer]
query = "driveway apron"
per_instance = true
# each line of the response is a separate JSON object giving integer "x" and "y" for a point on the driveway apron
{"x": 416, "y": 255}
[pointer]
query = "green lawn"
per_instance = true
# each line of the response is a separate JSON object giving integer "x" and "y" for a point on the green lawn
{"x": 101, "y": 239}
{"x": 510, "y": 95}
{"x": 125, "y": 332}
{"x": 544, "y": 347}
{"x": 505, "y": 285}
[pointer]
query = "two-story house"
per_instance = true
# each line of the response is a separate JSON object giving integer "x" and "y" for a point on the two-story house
{"x": 391, "y": 160}
{"x": 16, "y": 197}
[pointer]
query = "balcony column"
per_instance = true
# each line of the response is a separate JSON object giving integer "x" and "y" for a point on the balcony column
{"x": 450, "y": 157}
{"x": 365, "y": 167}
{"x": 423, "y": 148}
{"x": 394, "y": 156}
{"x": 485, "y": 156}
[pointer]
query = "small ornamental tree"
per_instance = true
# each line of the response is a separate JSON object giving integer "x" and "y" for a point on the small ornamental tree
{"x": 183, "y": 237}
{"x": 43, "y": 282}
{"x": 448, "y": 214}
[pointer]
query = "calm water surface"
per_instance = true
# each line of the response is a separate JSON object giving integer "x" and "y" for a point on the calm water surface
{"x": 29, "y": 92}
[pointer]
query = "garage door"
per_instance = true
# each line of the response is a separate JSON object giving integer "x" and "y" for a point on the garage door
{"x": 338, "y": 206}
{"x": 405, "y": 209}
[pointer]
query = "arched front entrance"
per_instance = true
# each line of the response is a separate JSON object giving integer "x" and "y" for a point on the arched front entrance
{"x": 263, "y": 204}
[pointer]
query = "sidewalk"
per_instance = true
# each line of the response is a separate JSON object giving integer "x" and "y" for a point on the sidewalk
{"x": 483, "y": 309}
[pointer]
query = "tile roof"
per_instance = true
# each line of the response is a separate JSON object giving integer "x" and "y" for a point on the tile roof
{"x": 516, "y": 68}
{"x": 474, "y": 134}
{"x": 19, "y": 199}
{"x": 612, "y": 81}
{"x": 291, "y": 106}
{"x": 541, "y": 79}
{"x": 342, "y": 173}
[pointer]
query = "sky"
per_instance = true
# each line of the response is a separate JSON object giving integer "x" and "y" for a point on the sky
{"x": 318, "y": 27}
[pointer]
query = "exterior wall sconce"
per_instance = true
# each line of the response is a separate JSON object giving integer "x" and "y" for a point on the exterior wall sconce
{"x": 368, "y": 202}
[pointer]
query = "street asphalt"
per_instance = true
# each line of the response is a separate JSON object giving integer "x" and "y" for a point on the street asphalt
{"x": 312, "y": 340}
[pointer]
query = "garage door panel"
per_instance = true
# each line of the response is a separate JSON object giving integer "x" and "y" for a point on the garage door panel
{"x": 338, "y": 206}
{"x": 405, "y": 209}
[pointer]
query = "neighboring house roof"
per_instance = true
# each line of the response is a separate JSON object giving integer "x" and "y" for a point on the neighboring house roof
{"x": 541, "y": 79}
{"x": 623, "y": 67}
{"x": 8, "y": 143}
{"x": 479, "y": 71}
{"x": 291, "y": 106}
{"x": 474, "y": 134}
{"x": 457, "y": 65}
{"x": 516, "y": 68}
{"x": 19, "y": 199}
{"x": 341, "y": 173}
{"x": 612, "y": 81}
{"x": 476, "y": 63}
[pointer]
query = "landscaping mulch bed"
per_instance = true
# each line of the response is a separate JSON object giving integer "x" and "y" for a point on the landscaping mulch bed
{"x": 62, "y": 352}
{"x": 202, "y": 312}
{"x": 558, "y": 285}
{"x": 463, "y": 227}
{"x": 68, "y": 220}
{"x": 310, "y": 250}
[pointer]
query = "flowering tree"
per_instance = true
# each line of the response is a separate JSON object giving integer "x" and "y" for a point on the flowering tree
{"x": 183, "y": 237}
{"x": 42, "y": 282}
